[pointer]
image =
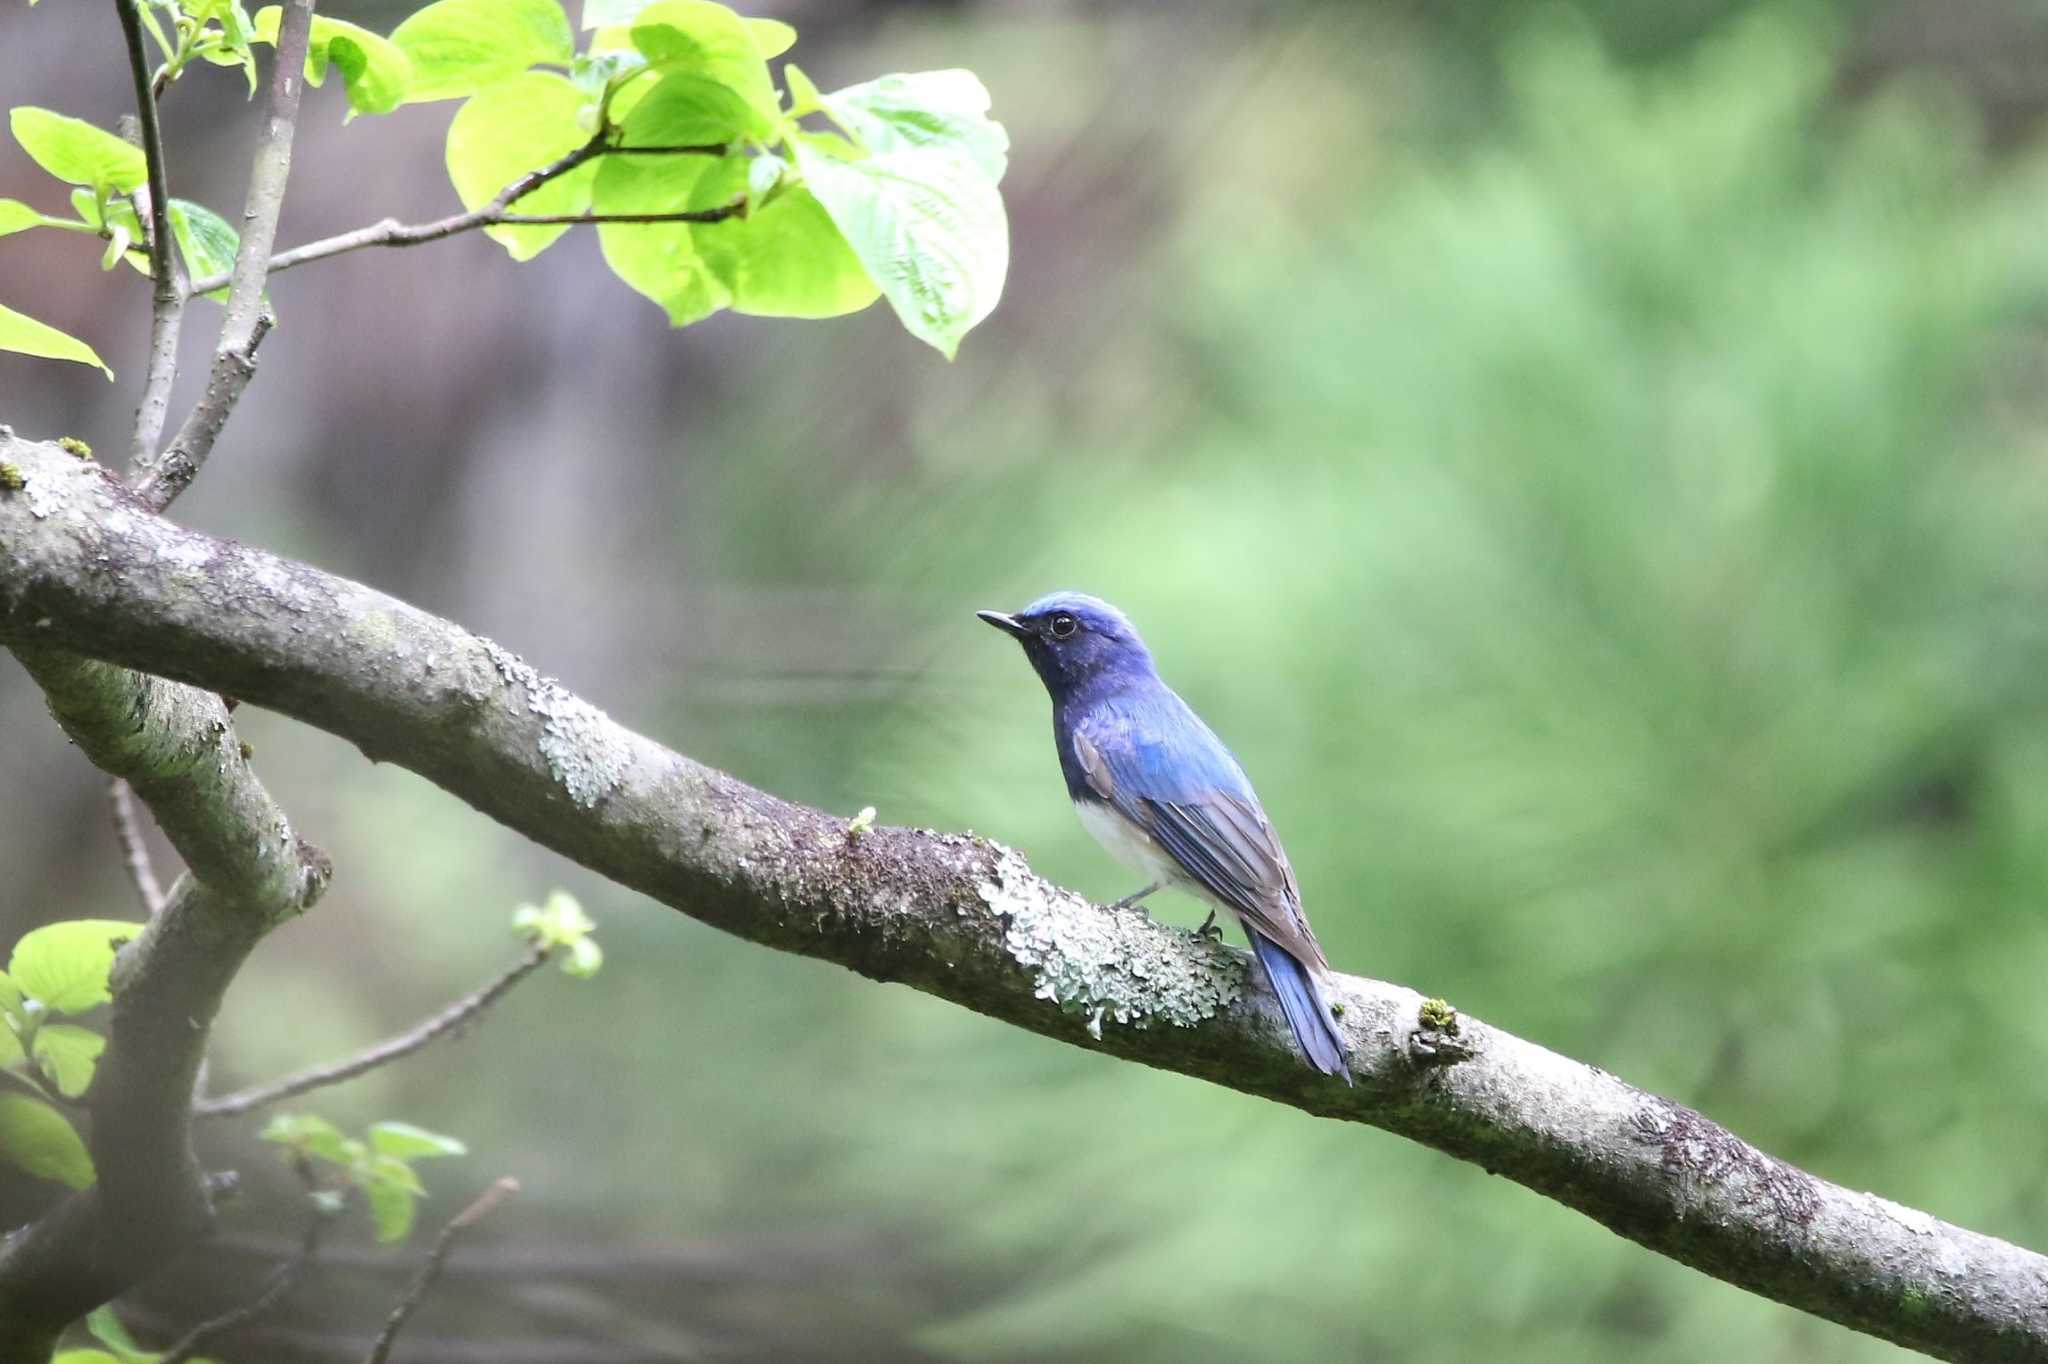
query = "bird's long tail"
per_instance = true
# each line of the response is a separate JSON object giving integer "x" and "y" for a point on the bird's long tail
{"x": 1301, "y": 999}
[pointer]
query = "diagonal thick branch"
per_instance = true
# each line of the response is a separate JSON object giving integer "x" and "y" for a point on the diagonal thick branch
{"x": 85, "y": 567}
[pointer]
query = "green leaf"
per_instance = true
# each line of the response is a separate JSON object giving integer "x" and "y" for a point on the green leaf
{"x": 406, "y": 1142}
{"x": 772, "y": 36}
{"x": 923, "y": 109}
{"x": 313, "y": 1135}
{"x": 704, "y": 39}
{"x": 611, "y": 13}
{"x": 376, "y": 73}
{"x": 928, "y": 224}
{"x": 65, "y": 964}
{"x": 803, "y": 95}
{"x": 15, "y": 216}
{"x": 109, "y": 1330}
{"x": 67, "y": 1054}
{"x": 76, "y": 152}
{"x": 686, "y": 110}
{"x": 41, "y": 1141}
{"x": 86, "y": 1357}
{"x": 205, "y": 240}
{"x": 10, "y": 995}
{"x": 561, "y": 922}
{"x": 391, "y": 1208}
{"x": 391, "y": 1170}
{"x": 11, "y": 1053}
{"x": 458, "y": 47}
{"x": 785, "y": 259}
{"x": 584, "y": 959}
{"x": 516, "y": 126}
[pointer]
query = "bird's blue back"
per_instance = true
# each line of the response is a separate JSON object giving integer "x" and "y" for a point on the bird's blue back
{"x": 1129, "y": 744}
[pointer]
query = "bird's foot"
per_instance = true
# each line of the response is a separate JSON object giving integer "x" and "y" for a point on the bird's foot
{"x": 1209, "y": 932}
{"x": 1135, "y": 896}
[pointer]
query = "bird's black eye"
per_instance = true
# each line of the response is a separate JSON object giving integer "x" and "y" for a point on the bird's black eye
{"x": 1064, "y": 625}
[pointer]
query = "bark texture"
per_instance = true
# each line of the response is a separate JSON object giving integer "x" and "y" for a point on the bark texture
{"x": 86, "y": 568}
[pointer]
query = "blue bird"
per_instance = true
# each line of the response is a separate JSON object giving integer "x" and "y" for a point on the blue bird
{"x": 1163, "y": 795}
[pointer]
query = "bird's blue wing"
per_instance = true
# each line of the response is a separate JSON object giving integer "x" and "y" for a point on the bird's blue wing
{"x": 1153, "y": 760}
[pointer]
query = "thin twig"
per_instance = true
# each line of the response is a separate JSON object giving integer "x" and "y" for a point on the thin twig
{"x": 167, "y": 292}
{"x": 391, "y": 232}
{"x": 504, "y": 1188}
{"x": 159, "y": 480}
{"x": 455, "y": 1016}
{"x": 33, "y": 1076}
{"x": 281, "y": 1284}
{"x": 133, "y": 850}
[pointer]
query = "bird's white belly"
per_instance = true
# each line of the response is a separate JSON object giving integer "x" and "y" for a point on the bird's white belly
{"x": 1130, "y": 847}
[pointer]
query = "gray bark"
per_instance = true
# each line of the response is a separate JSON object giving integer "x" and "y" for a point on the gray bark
{"x": 86, "y": 568}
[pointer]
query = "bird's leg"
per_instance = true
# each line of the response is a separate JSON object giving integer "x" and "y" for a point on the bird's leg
{"x": 1130, "y": 900}
{"x": 1209, "y": 930}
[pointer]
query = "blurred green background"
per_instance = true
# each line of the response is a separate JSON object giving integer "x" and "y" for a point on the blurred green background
{"x": 1590, "y": 461}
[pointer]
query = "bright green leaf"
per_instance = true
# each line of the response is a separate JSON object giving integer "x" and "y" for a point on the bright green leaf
{"x": 109, "y": 1330}
{"x": 76, "y": 152}
{"x": 923, "y": 109}
{"x": 708, "y": 40}
{"x": 391, "y": 1170}
{"x": 376, "y": 73}
{"x": 516, "y": 126}
{"x": 659, "y": 260}
{"x": 391, "y": 1208}
{"x": 788, "y": 260}
{"x": 458, "y": 47}
{"x": 85, "y": 1357}
{"x": 65, "y": 964}
{"x": 561, "y": 922}
{"x": 67, "y": 1054}
{"x": 313, "y": 1135}
{"x": 11, "y": 1053}
{"x": 205, "y": 240}
{"x": 403, "y": 1140}
{"x": 584, "y": 959}
{"x": 928, "y": 224}
{"x": 15, "y": 216}
{"x": 686, "y": 110}
{"x": 803, "y": 95}
{"x": 10, "y": 995}
{"x": 611, "y": 13}
{"x": 87, "y": 205}
{"x": 772, "y": 36}
{"x": 41, "y": 1141}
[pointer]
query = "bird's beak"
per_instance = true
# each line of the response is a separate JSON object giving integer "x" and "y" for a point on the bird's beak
{"x": 1006, "y": 623}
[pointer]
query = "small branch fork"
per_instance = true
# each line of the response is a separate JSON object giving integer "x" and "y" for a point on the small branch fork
{"x": 287, "y": 1277}
{"x": 504, "y": 1188}
{"x": 497, "y": 212}
{"x": 451, "y": 1019}
{"x": 159, "y": 479}
{"x": 167, "y": 273}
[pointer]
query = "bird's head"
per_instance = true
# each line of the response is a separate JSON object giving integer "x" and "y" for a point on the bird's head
{"x": 1073, "y": 639}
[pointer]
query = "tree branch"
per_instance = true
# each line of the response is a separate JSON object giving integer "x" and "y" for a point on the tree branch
{"x": 159, "y": 480}
{"x": 449, "y": 1020}
{"x": 173, "y": 744}
{"x": 280, "y": 1286}
{"x": 391, "y": 232}
{"x": 167, "y": 273}
{"x": 504, "y": 1188}
{"x": 966, "y": 920}
{"x": 134, "y": 852}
